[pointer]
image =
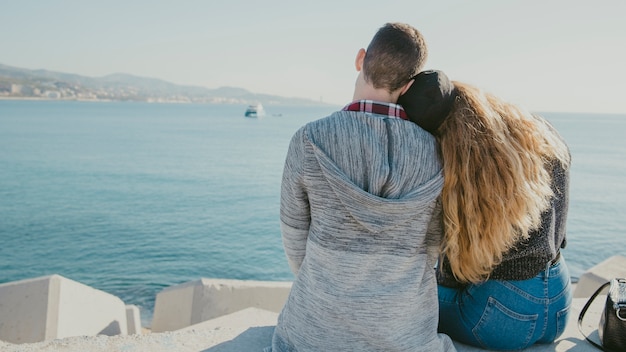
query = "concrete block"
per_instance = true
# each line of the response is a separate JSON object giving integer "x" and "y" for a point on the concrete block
{"x": 53, "y": 307}
{"x": 24, "y": 307}
{"x": 593, "y": 278}
{"x": 133, "y": 319}
{"x": 196, "y": 301}
{"x": 173, "y": 307}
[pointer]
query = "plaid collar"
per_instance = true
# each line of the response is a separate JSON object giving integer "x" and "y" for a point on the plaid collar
{"x": 376, "y": 107}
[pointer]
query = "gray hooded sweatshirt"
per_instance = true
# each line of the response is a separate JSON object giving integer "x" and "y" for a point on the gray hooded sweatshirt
{"x": 361, "y": 231}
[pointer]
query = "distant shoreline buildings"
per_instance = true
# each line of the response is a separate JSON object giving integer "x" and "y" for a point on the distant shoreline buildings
{"x": 63, "y": 91}
{"x": 19, "y": 83}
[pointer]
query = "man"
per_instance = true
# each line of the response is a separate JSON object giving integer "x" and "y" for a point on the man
{"x": 359, "y": 191}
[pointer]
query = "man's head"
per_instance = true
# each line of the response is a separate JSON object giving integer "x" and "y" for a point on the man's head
{"x": 396, "y": 54}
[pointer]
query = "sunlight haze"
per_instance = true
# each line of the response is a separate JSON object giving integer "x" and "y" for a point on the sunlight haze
{"x": 566, "y": 56}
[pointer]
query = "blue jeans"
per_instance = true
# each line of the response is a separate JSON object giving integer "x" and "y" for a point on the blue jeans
{"x": 508, "y": 315}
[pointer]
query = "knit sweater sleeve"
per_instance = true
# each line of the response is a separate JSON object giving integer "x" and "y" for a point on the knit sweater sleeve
{"x": 295, "y": 215}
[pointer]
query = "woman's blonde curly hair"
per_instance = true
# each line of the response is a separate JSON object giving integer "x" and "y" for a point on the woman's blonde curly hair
{"x": 497, "y": 182}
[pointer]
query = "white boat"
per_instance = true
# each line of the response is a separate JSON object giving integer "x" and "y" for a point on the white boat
{"x": 255, "y": 110}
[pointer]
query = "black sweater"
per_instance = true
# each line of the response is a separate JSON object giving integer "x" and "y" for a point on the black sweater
{"x": 531, "y": 256}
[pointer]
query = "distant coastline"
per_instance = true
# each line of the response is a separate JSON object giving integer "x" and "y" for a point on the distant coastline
{"x": 44, "y": 99}
{"x": 50, "y": 99}
{"x": 24, "y": 84}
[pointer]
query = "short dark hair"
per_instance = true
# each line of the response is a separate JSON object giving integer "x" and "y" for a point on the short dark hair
{"x": 396, "y": 54}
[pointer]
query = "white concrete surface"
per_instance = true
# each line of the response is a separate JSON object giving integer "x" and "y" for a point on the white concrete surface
{"x": 251, "y": 330}
{"x": 593, "y": 278}
{"x": 209, "y": 315}
{"x": 242, "y": 331}
{"x": 83, "y": 310}
{"x": 193, "y": 302}
{"x": 52, "y": 307}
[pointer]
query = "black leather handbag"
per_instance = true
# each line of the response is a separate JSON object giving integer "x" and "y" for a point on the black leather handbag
{"x": 612, "y": 326}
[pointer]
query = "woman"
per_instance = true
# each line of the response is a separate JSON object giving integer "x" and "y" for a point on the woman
{"x": 502, "y": 281}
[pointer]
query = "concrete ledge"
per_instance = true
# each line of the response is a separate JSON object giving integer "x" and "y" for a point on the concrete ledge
{"x": 53, "y": 307}
{"x": 592, "y": 279}
{"x": 237, "y": 332}
{"x": 193, "y": 302}
{"x": 214, "y": 315}
{"x": 255, "y": 336}
{"x": 251, "y": 329}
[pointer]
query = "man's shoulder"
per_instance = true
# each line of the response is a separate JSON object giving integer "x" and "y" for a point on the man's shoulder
{"x": 321, "y": 123}
{"x": 333, "y": 118}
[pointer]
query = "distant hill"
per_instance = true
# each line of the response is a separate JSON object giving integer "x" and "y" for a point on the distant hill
{"x": 18, "y": 82}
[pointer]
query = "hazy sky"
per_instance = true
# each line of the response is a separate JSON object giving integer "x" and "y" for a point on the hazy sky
{"x": 548, "y": 55}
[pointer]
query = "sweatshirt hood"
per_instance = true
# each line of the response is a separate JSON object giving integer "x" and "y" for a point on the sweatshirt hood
{"x": 373, "y": 212}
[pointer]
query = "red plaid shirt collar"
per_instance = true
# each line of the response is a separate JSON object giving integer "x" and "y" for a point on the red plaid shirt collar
{"x": 376, "y": 107}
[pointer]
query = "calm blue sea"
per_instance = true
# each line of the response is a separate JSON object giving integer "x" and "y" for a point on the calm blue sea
{"x": 131, "y": 198}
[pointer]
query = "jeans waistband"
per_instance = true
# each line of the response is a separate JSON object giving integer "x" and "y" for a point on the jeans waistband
{"x": 556, "y": 259}
{"x": 554, "y": 267}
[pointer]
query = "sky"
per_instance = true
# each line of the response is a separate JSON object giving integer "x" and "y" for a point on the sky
{"x": 548, "y": 55}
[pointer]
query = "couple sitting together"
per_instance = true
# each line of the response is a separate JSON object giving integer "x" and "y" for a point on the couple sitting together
{"x": 425, "y": 210}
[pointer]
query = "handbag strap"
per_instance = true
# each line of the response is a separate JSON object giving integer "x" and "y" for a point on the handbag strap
{"x": 584, "y": 310}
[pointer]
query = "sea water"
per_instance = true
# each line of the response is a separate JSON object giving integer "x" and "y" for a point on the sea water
{"x": 130, "y": 198}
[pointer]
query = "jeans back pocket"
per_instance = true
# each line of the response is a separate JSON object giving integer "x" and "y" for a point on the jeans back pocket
{"x": 501, "y": 328}
{"x": 561, "y": 321}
